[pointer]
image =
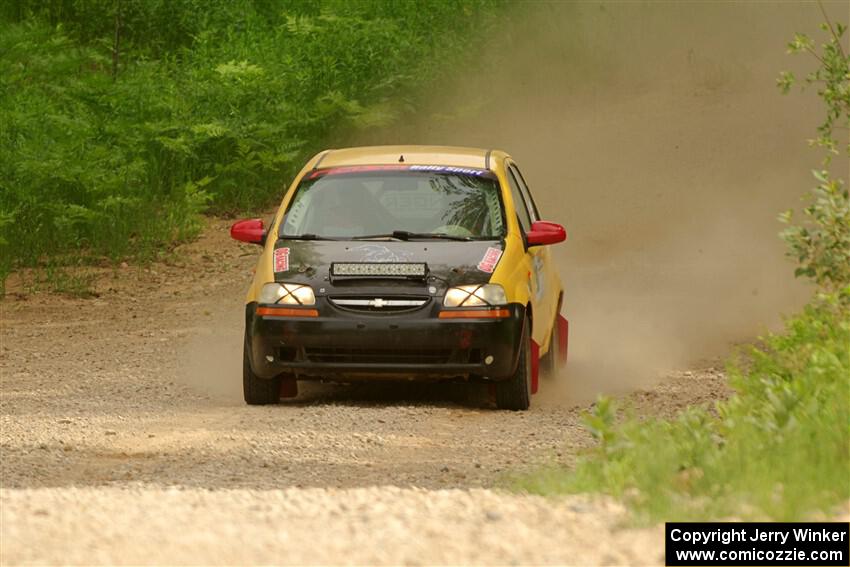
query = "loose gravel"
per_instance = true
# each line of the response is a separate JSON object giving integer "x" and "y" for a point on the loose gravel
{"x": 384, "y": 525}
{"x": 124, "y": 441}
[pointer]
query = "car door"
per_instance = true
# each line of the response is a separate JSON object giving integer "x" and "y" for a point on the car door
{"x": 527, "y": 214}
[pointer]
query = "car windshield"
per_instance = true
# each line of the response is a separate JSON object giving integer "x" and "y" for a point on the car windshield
{"x": 376, "y": 201}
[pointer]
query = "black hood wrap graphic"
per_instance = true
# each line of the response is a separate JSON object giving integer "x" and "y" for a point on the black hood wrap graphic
{"x": 450, "y": 263}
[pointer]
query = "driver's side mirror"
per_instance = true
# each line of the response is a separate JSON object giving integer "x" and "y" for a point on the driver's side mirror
{"x": 251, "y": 231}
{"x": 544, "y": 232}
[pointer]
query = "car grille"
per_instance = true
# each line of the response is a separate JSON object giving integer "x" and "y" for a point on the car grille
{"x": 378, "y": 356}
{"x": 383, "y": 304}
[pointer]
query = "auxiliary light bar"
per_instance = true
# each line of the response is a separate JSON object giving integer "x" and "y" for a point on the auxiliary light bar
{"x": 373, "y": 269}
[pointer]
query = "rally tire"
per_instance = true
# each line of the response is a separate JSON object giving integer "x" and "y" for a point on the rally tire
{"x": 258, "y": 391}
{"x": 515, "y": 392}
{"x": 551, "y": 363}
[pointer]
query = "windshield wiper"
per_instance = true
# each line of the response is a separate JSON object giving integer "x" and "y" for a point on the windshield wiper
{"x": 407, "y": 235}
{"x": 308, "y": 236}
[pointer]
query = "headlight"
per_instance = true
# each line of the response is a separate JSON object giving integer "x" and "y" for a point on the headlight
{"x": 475, "y": 296}
{"x": 289, "y": 294}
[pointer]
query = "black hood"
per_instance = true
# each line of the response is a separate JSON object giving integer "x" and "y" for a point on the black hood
{"x": 449, "y": 263}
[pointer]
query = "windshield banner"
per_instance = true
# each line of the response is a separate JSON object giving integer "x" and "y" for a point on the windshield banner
{"x": 446, "y": 169}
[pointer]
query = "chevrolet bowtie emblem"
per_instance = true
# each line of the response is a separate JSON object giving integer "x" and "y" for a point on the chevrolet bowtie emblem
{"x": 377, "y": 302}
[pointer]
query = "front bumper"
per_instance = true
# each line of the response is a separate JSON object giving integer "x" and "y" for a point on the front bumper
{"x": 412, "y": 345}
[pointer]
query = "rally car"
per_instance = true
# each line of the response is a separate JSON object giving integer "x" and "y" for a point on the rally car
{"x": 404, "y": 262}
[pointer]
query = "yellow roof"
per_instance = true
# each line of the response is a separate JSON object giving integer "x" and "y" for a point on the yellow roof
{"x": 418, "y": 155}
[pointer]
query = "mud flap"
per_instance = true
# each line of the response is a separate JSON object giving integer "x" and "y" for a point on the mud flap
{"x": 288, "y": 388}
{"x": 535, "y": 366}
{"x": 564, "y": 338}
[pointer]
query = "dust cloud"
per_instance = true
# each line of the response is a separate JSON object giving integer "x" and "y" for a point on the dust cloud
{"x": 212, "y": 358}
{"x": 655, "y": 133}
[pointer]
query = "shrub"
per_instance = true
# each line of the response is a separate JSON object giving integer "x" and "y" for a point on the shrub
{"x": 124, "y": 119}
{"x": 821, "y": 243}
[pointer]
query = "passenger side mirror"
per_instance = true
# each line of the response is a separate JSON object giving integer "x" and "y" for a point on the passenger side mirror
{"x": 543, "y": 232}
{"x": 251, "y": 231}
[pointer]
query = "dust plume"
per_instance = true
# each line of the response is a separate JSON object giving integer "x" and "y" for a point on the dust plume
{"x": 655, "y": 133}
{"x": 212, "y": 358}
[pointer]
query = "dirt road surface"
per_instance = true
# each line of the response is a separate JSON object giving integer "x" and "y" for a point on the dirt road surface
{"x": 124, "y": 440}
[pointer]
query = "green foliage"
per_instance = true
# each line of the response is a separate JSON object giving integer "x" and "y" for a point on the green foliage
{"x": 778, "y": 449}
{"x": 832, "y": 79}
{"x": 820, "y": 243}
{"x": 122, "y": 120}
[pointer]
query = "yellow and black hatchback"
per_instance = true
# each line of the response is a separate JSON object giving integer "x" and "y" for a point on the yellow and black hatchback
{"x": 404, "y": 262}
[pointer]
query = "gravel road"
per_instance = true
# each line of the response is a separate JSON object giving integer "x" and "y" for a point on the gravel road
{"x": 124, "y": 440}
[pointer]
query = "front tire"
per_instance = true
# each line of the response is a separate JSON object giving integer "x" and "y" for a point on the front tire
{"x": 257, "y": 391}
{"x": 551, "y": 363}
{"x": 515, "y": 392}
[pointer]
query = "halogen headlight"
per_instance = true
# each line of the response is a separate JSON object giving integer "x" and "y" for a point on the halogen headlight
{"x": 287, "y": 293}
{"x": 475, "y": 296}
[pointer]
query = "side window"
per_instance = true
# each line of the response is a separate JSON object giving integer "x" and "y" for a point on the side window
{"x": 523, "y": 187}
{"x": 519, "y": 202}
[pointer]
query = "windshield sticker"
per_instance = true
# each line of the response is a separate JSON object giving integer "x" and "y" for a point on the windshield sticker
{"x": 469, "y": 171}
{"x": 448, "y": 169}
{"x": 490, "y": 259}
{"x": 281, "y": 260}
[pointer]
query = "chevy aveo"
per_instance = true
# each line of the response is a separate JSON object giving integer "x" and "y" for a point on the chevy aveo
{"x": 404, "y": 262}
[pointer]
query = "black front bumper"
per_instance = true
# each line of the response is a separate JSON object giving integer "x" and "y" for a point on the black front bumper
{"x": 411, "y": 345}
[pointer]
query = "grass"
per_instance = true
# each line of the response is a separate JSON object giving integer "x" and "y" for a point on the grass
{"x": 778, "y": 449}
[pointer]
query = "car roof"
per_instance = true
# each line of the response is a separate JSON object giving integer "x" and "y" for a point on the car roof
{"x": 417, "y": 155}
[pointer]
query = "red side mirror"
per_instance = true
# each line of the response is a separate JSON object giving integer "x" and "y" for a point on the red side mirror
{"x": 251, "y": 231}
{"x": 543, "y": 232}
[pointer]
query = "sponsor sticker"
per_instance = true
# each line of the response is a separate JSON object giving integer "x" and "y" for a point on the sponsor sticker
{"x": 490, "y": 259}
{"x": 281, "y": 260}
{"x": 449, "y": 169}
